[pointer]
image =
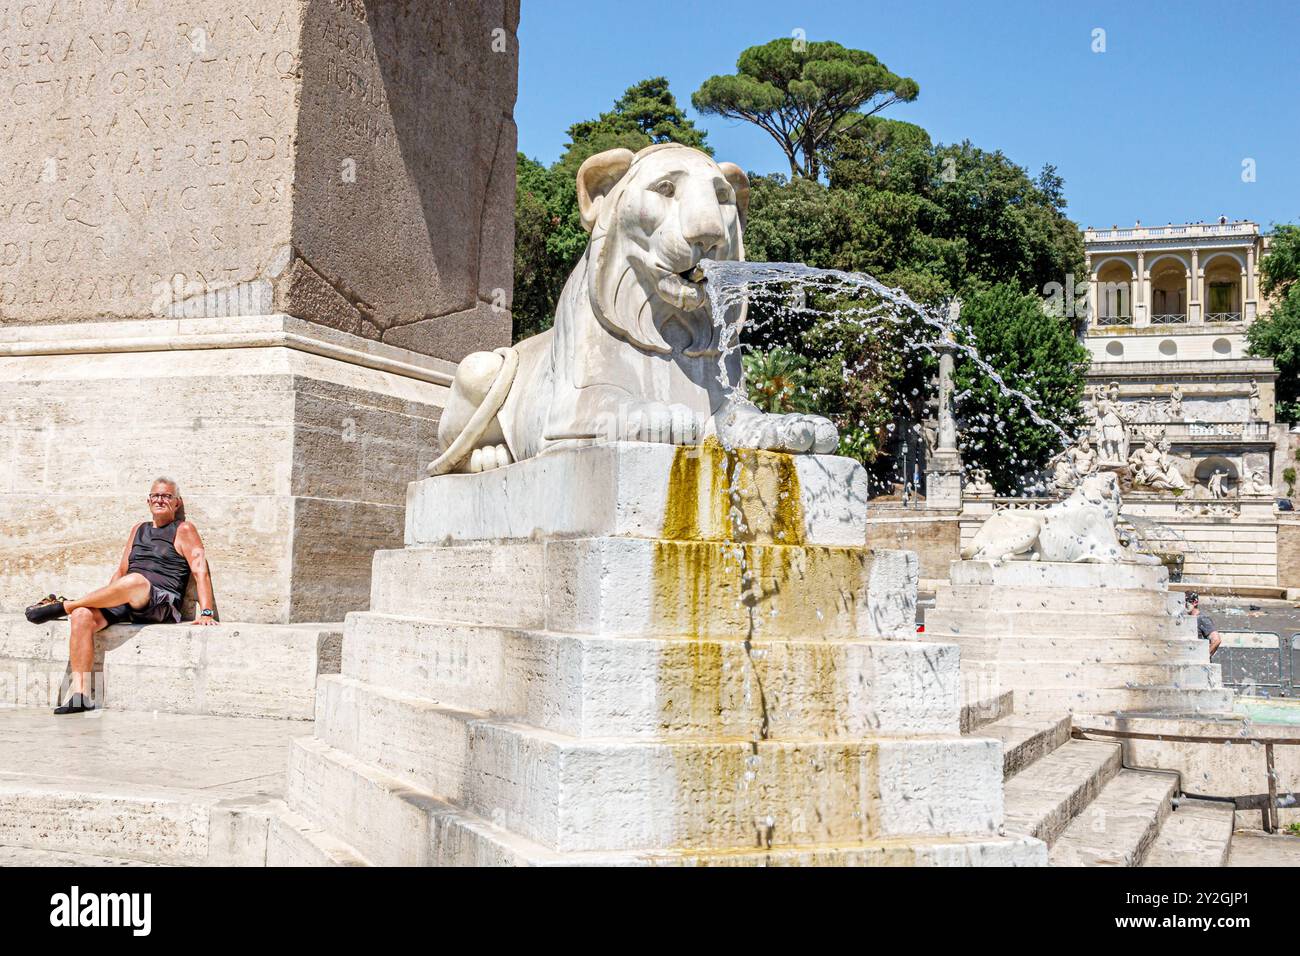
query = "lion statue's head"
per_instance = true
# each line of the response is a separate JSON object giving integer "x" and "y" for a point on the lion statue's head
{"x": 653, "y": 215}
{"x": 1100, "y": 488}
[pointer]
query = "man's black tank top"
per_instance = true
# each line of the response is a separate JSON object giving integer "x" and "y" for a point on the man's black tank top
{"x": 154, "y": 554}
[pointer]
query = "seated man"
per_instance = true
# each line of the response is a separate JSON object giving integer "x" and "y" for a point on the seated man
{"x": 1206, "y": 629}
{"x": 146, "y": 588}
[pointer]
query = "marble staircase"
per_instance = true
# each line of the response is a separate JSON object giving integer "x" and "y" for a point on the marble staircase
{"x": 1077, "y": 797}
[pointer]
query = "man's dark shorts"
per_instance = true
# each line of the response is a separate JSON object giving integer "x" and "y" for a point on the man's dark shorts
{"x": 164, "y": 607}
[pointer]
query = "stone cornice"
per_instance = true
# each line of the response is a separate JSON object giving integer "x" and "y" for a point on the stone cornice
{"x": 261, "y": 331}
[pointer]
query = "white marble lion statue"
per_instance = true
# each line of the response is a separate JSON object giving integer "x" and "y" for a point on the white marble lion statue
{"x": 634, "y": 351}
{"x": 1080, "y": 529}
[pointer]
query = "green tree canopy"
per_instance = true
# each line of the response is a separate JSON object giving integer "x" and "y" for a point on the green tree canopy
{"x": 645, "y": 114}
{"x": 1033, "y": 352}
{"x": 1280, "y": 269}
{"x": 1276, "y": 335}
{"x": 802, "y": 94}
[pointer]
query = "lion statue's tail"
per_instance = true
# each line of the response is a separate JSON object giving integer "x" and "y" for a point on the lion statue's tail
{"x": 464, "y": 443}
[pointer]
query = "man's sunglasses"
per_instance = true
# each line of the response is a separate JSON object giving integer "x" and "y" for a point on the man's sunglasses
{"x": 162, "y": 497}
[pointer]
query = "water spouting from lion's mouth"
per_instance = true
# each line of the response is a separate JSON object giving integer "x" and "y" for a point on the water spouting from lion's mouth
{"x": 780, "y": 288}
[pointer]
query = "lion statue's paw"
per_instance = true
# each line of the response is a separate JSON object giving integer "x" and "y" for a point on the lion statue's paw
{"x": 664, "y": 423}
{"x": 488, "y": 457}
{"x": 793, "y": 433}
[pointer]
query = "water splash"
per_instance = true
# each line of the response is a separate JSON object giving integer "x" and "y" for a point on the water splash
{"x": 781, "y": 289}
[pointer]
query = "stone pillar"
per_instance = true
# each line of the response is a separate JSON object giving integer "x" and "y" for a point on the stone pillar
{"x": 943, "y": 469}
{"x": 1245, "y": 290}
{"x": 1141, "y": 316}
{"x": 1195, "y": 298}
{"x": 255, "y": 239}
{"x": 1093, "y": 313}
{"x": 1249, "y": 303}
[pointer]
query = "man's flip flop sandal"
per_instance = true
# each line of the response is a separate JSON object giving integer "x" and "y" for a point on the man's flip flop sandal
{"x": 47, "y": 609}
{"x": 77, "y": 704}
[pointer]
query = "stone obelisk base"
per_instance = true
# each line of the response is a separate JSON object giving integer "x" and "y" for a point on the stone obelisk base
{"x": 576, "y": 660}
{"x": 291, "y": 444}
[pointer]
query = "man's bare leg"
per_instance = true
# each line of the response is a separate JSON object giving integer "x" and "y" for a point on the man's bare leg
{"x": 85, "y": 623}
{"x": 132, "y": 589}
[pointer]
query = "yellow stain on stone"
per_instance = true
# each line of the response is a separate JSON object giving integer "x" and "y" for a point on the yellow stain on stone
{"x": 733, "y": 550}
{"x": 704, "y": 483}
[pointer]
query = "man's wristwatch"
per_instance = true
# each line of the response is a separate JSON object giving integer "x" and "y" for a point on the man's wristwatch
{"x": 207, "y": 612}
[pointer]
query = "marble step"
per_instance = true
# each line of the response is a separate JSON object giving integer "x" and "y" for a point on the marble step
{"x": 1117, "y": 650}
{"x": 164, "y": 788}
{"x": 1046, "y": 576}
{"x": 291, "y": 840}
{"x": 1026, "y": 738}
{"x": 592, "y": 686}
{"x": 616, "y": 793}
{"x": 1119, "y": 826}
{"x": 646, "y": 588}
{"x": 1197, "y": 833}
{"x": 1086, "y": 627}
{"x": 1107, "y": 674}
{"x": 1089, "y": 601}
{"x": 979, "y": 707}
{"x": 26, "y": 856}
{"x": 162, "y": 825}
{"x": 1042, "y": 799}
{"x": 231, "y": 670}
{"x": 1183, "y": 701}
{"x": 394, "y": 824}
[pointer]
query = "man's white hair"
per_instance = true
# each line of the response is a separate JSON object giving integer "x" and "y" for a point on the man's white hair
{"x": 164, "y": 480}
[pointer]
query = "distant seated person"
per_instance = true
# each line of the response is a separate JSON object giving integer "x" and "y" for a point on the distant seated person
{"x": 146, "y": 588}
{"x": 1206, "y": 629}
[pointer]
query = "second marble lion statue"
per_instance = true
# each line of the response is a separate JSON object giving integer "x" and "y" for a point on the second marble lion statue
{"x": 634, "y": 353}
{"x": 1080, "y": 529}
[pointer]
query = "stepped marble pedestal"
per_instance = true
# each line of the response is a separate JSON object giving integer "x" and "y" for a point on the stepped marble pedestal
{"x": 593, "y": 657}
{"x": 1087, "y": 638}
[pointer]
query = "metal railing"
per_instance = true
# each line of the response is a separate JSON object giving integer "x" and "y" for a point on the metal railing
{"x": 1268, "y": 804}
{"x": 1114, "y": 320}
{"x": 1169, "y": 318}
{"x": 1223, "y": 317}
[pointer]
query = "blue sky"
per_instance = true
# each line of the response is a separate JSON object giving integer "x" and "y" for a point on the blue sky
{"x": 1155, "y": 128}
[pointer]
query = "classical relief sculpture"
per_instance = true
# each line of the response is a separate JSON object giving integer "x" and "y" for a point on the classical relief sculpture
{"x": 1111, "y": 422}
{"x": 634, "y": 350}
{"x": 1155, "y": 468}
{"x": 980, "y": 484}
{"x": 1080, "y": 529}
{"x": 1072, "y": 464}
{"x": 1176, "y": 402}
{"x": 1172, "y": 473}
{"x": 1258, "y": 484}
{"x": 1215, "y": 483}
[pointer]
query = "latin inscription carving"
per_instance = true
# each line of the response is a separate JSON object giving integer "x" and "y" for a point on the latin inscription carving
{"x": 142, "y": 142}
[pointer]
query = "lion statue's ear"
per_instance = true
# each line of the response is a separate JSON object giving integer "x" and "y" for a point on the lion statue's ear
{"x": 740, "y": 183}
{"x": 596, "y": 177}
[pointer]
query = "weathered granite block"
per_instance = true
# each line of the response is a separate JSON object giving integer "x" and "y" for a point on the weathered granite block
{"x": 240, "y": 245}
{"x": 291, "y": 465}
{"x": 350, "y": 162}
